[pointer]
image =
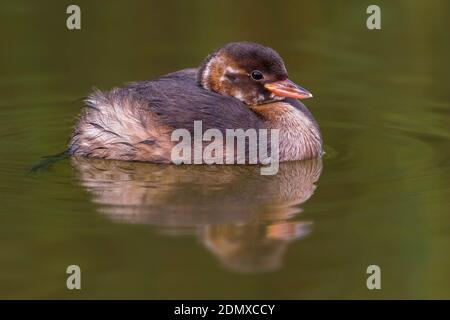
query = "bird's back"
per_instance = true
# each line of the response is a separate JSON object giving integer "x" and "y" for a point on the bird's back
{"x": 135, "y": 122}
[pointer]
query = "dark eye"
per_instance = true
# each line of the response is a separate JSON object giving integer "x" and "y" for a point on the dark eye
{"x": 257, "y": 75}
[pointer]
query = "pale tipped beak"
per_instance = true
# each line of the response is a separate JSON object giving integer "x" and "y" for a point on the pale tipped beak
{"x": 287, "y": 88}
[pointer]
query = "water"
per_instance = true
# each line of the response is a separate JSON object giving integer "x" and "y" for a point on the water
{"x": 379, "y": 196}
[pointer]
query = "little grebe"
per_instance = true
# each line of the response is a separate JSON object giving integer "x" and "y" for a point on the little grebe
{"x": 242, "y": 85}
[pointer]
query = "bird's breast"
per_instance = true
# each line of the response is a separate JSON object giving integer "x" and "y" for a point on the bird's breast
{"x": 299, "y": 135}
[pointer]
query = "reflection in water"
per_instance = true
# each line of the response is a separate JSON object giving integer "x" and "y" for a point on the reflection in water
{"x": 242, "y": 217}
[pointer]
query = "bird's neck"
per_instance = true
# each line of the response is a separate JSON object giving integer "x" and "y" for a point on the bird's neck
{"x": 299, "y": 135}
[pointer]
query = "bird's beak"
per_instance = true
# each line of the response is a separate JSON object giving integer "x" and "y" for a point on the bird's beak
{"x": 287, "y": 88}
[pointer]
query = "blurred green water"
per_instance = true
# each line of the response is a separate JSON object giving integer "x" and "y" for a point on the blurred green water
{"x": 143, "y": 231}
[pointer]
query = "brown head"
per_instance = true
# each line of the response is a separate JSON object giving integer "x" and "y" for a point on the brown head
{"x": 249, "y": 72}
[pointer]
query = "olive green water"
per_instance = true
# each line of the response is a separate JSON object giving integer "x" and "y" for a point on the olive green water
{"x": 379, "y": 196}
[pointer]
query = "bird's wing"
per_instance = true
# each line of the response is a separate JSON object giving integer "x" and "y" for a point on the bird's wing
{"x": 178, "y": 100}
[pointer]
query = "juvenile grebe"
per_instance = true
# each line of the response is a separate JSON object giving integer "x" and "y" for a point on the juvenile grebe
{"x": 242, "y": 85}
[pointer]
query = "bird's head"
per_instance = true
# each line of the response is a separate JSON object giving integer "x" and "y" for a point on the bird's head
{"x": 249, "y": 72}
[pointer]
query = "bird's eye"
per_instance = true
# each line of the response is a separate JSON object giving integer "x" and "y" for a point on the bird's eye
{"x": 257, "y": 75}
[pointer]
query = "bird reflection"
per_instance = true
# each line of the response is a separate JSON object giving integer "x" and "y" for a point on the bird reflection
{"x": 245, "y": 219}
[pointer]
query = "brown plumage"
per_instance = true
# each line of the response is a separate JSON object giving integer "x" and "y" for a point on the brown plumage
{"x": 240, "y": 86}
